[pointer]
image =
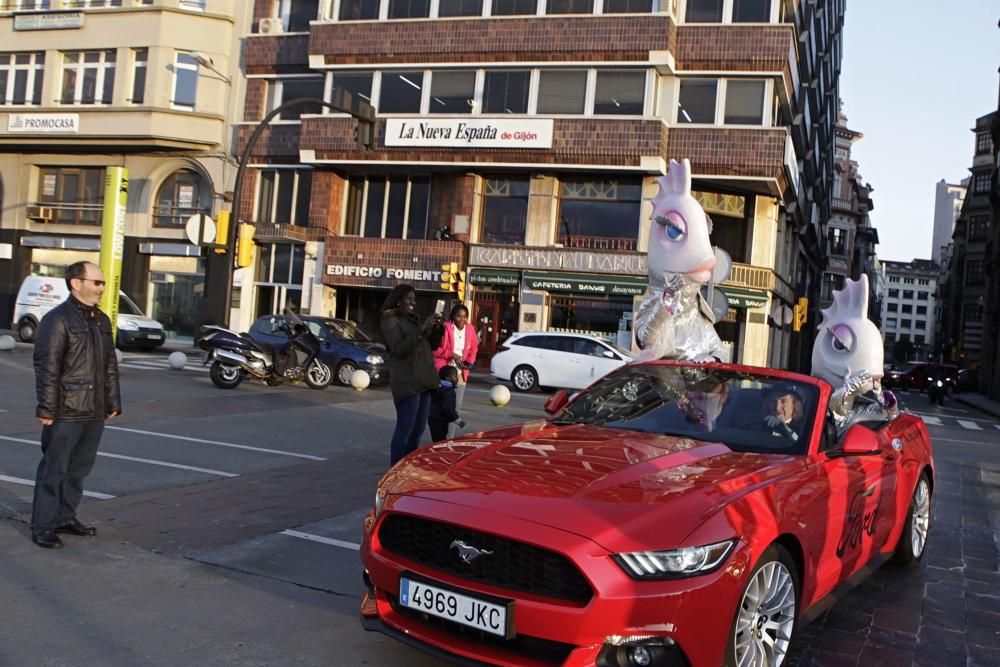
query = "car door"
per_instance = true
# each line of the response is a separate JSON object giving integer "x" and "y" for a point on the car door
{"x": 595, "y": 359}
{"x": 269, "y": 330}
{"x": 556, "y": 364}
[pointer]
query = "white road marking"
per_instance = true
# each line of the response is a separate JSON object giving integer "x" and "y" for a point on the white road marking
{"x": 935, "y": 421}
{"x": 216, "y": 442}
{"x": 164, "y": 464}
{"x": 29, "y": 482}
{"x": 159, "y": 367}
{"x": 322, "y": 540}
{"x": 513, "y": 394}
{"x": 970, "y": 425}
{"x": 964, "y": 442}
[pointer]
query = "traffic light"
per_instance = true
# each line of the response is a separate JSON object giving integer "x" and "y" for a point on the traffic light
{"x": 460, "y": 286}
{"x": 222, "y": 232}
{"x": 245, "y": 246}
{"x": 800, "y": 314}
{"x": 449, "y": 277}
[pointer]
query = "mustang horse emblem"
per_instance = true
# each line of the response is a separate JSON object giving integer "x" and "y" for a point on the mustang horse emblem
{"x": 468, "y": 553}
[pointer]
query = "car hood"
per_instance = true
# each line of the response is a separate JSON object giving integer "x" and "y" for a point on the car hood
{"x": 624, "y": 490}
{"x": 141, "y": 320}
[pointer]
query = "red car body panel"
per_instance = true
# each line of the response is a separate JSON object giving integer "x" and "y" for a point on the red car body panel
{"x": 588, "y": 492}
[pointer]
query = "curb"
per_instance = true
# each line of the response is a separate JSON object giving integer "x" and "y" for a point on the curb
{"x": 985, "y": 406}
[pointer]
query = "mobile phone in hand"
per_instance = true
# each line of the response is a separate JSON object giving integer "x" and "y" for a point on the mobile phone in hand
{"x": 439, "y": 307}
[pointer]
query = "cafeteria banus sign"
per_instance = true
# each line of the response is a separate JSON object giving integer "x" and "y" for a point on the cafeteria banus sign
{"x": 469, "y": 132}
{"x": 46, "y": 123}
{"x": 514, "y": 257}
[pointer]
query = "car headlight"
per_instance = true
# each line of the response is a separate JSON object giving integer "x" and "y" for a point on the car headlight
{"x": 685, "y": 562}
{"x": 374, "y": 359}
{"x": 379, "y": 502}
{"x": 128, "y": 326}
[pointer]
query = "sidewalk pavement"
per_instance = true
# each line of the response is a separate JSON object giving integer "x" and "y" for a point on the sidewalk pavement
{"x": 979, "y": 402}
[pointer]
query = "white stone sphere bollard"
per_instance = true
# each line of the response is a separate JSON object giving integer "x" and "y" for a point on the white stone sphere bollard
{"x": 177, "y": 360}
{"x": 499, "y": 395}
{"x": 360, "y": 380}
{"x": 118, "y": 355}
{"x": 6, "y": 343}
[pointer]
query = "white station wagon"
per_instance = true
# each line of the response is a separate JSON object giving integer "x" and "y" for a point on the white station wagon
{"x": 549, "y": 359}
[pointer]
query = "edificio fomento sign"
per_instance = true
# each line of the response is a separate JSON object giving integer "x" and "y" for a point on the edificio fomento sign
{"x": 469, "y": 132}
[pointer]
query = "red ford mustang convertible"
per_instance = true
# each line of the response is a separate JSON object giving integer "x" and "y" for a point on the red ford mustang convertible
{"x": 671, "y": 514}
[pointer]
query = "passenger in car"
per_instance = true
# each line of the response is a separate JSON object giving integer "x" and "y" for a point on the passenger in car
{"x": 785, "y": 412}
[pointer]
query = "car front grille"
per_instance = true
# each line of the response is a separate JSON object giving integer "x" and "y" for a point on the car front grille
{"x": 543, "y": 650}
{"x": 512, "y": 565}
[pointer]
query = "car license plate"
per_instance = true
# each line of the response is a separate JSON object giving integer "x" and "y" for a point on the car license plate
{"x": 154, "y": 336}
{"x": 443, "y": 603}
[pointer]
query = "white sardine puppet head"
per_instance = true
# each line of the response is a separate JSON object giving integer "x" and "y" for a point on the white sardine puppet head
{"x": 678, "y": 238}
{"x": 847, "y": 341}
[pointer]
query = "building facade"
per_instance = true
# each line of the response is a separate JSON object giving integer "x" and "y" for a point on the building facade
{"x": 146, "y": 84}
{"x": 963, "y": 312}
{"x": 948, "y": 200}
{"x": 990, "y": 381}
{"x": 908, "y": 310}
{"x": 522, "y": 139}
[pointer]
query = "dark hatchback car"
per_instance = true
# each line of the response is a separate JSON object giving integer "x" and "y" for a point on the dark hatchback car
{"x": 914, "y": 375}
{"x": 345, "y": 348}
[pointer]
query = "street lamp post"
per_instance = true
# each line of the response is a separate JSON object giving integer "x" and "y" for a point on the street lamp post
{"x": 216, "y": 304}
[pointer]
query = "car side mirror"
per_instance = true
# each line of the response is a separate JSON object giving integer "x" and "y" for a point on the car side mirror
{"x": 608, "y": 354}
{"x": 860, "y": 441}
{"x": 556, "y": 402}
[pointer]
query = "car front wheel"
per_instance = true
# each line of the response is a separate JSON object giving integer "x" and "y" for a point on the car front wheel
{"x": 26, "y": 330}
{"x": 524, "y": 378}
{"x": 344, "y": 372}
{"x": 913, "y": 539}
{"x": 767, "y": 615}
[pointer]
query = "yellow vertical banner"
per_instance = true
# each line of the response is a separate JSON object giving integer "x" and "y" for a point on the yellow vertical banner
{"x": 113, "y": 240}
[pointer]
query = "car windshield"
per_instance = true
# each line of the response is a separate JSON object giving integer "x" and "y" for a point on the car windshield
{"x": 347, "y": 331}
{"x": 746, "y": 411}
{"x": 127, "y": 307}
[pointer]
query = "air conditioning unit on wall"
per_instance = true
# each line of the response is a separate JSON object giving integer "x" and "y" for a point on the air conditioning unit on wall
{"x": 271, "y": 26}
{"x": 39, "y": 213}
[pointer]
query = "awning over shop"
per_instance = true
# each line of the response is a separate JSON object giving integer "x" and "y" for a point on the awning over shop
{"x": 494, "y": 277}
{"x": 740, "y": 297}
{"x": 578, "y": 283}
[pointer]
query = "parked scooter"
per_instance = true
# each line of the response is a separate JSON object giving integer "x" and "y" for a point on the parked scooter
{"x": 235, "y": 356}
{"x": 936, "y": 389}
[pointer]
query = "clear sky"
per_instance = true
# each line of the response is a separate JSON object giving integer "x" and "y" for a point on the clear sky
{"x": 916, "y": 74}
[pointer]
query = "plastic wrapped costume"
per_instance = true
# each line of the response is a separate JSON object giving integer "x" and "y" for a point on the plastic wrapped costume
{"x": 847, "y": 353}
{"x": 673, "y": 320}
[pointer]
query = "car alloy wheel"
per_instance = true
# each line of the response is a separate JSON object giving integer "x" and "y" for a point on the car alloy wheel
{"x": 921, "y": 519}
{"x": 766, "y": 617}
{"x": 524, "y": 378}
{"x": 344, "y": 373}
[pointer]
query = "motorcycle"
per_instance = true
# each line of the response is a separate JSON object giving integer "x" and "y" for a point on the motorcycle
{"x": 936, "y": 390}
{"x": 235, "y": 356}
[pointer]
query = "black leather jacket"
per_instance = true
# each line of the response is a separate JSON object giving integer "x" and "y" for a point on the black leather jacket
{"x": 76, "y": 370}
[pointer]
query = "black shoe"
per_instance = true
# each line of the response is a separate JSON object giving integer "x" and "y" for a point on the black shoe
{"x": 74, "y": 527}
{"x": 47, "y": 539}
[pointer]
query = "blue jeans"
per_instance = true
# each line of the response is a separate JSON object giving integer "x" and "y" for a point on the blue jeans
{"x": 68, "y": 453}
{"x": 411, "y": 421}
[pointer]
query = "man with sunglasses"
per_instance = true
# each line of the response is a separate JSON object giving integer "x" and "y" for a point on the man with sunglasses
{"x": 76, "y": 380}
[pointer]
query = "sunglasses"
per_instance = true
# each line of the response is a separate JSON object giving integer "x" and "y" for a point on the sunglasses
{"x": 99, "y": 283}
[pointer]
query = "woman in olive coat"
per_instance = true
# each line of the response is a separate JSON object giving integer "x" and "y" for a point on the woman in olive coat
{"x": 412, "y": 378}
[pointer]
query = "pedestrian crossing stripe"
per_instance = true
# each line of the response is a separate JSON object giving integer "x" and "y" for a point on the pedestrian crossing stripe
{"x": 935, "y": 421}
{"x": 970, "y": 424}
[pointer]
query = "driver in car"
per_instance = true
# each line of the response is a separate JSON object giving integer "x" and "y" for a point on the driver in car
{"x": 785, "y": 413}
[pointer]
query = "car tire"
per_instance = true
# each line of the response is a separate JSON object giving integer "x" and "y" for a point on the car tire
{"x": 344, "y": 372}
{"x": 26, "y": 330}
{"x": 776, "y": 570}
{"x": 225, "y": 377}
{"x": 524, "y": 378}
{"x": 318, "y": 375}
{"x": 913, "y": 540}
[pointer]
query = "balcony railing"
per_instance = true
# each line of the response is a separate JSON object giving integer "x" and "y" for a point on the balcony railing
{"x": 754, "y": 277}
{"x": 841, "y": 203}
{"x": 598, "y": 242}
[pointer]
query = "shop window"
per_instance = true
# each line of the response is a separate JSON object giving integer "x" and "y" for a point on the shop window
{"x": 76, "y": 194}
{"x": 744, "y": 102}
{"x": 562, "y": 92}
{"x": 620, "y": 93}
{"x": 599, "y": 215}
{"x": 140, "y": 62}
{"x": 703, "y": 11}
{"x": 514, "y": 7}
{"x": 185, "y": 81}
{"x": 88, "y": 77}
{"x": 837, "y": 239}
{"x": 281, "y": 263}
{"x": 21, "y": 78}
{"x": 358, "y": 10}
{"x": 505, "y": 211}
{"x": 451, "y": 92}
{"x": 283, "y": 196}
{"x": 394, "y": 207}
{"x": 628, "y": 6}
{"x": 401, "y": 92}
{"x": 285, "y": 90}
{"x": 358, "y": 84}
{"x": 460, "y": 8}
{"x": 409, "y": 9}
{"x": 176, "y": 285}
{"x": 751, "y": 11}
{"x": 182, "y": 195}
{"x": 296, "y": 14}
{"x": 570, "y": 7}
{"x": 506, "y": 92}
{"x": 696, "y": 103}
{"x": 601, "y": 317}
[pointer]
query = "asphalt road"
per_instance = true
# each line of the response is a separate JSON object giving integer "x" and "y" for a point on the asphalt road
{"x": 229, "y": 523}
